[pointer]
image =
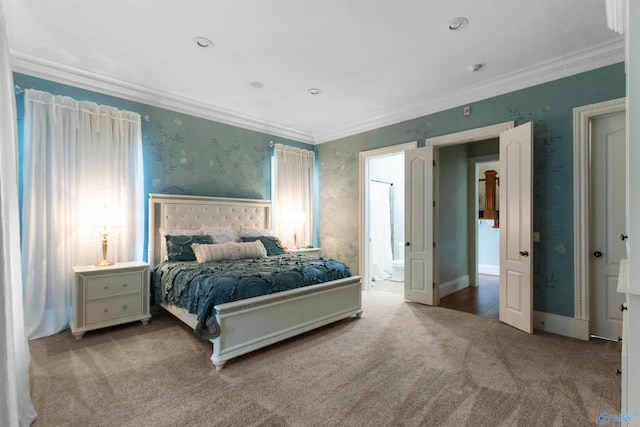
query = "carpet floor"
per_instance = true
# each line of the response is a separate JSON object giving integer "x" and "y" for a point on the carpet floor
{"x": 401, "y": 364}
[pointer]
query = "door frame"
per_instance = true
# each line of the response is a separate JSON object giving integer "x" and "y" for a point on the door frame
{"x": 582, "y": 117}
{"x": 472, "y": 135}
{"x": 363, "y": 231}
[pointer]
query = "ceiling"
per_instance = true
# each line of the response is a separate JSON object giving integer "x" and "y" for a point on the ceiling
{"x": 376, "y": 62}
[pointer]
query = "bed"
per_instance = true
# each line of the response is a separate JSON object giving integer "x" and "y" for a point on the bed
{"x": 252, "y": 323}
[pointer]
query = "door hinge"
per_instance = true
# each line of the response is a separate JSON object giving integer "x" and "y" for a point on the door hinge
{"x": 434, "y": 203}
{"x": 434, "y": 163}
{"x": 433, "y": 285}
{"x": 434, "y": 245}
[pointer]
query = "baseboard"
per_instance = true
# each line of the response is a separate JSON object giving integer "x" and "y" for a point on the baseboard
{"x": 454, "y": 285}
{"x": 561, "y": 325}
{"x": 493, "y": 270}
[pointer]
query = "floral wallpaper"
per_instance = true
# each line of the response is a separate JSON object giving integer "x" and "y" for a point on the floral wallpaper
{"x": 550, "y": 107}
{"x": 187, "y": 154}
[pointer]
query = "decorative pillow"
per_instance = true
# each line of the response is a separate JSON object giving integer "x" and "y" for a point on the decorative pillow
{"x": 253, "y": 232}
{"x": 179, "y": 247}
{"x": 169, "y": 232}
{"x": 271, "y": 243}
{"x": 221, "y": 234}
{"x": 230, "y": 250}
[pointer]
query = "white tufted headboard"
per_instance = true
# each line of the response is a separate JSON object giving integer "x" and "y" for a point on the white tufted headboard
{"x": 173, "y": 212}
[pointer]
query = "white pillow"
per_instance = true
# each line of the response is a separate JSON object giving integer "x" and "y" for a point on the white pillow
{"x": 221, "y": 234}
{"x": 174, "y": 232}
{"x": 253, "y": 232}
{"x": 231, "y": 250}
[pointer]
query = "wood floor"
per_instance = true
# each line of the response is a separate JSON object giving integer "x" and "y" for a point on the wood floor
{"x": 482, "y": 300}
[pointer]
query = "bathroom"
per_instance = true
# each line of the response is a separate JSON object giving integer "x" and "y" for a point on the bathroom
{"x": 386, "y": 222}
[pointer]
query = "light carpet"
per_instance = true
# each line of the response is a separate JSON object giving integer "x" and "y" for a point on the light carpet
{"x": 401, "y": 364}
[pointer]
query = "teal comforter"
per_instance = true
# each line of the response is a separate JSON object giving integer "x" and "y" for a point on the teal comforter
{"x": 198, "y": 287}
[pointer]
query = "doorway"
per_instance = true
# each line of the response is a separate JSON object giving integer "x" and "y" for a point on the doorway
{"x": 382, "y": 216}
{"x": 386, "y": 223}
{"x": 423, "y": 248}
{"x": 475, "y": 290}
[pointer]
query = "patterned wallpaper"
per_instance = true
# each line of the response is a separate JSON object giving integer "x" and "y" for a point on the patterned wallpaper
{"x": 550, "y": 107}
{"x": 186, "y": 154}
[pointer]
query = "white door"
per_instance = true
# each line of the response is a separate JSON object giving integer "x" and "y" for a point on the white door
{"x": 608, "y": 223}
{"x": 418, "y": 258}
{"x": 516, "y": 228}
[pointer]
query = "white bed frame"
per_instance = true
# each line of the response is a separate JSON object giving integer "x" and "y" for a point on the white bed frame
{"x": 253, "y": 323}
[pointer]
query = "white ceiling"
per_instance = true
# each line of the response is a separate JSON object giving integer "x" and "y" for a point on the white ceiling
{"x": 376, "y": 62}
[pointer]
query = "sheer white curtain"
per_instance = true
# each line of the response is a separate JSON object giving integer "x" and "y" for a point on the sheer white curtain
{"x": 16, "y": 408}
{"x": 380, "y": 246}
{"x": 77, "y": 155}
{"x": 293, "y": 194}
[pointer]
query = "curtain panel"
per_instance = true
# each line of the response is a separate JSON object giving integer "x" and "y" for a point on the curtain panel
{"x": 78, "y": 157}
{"x": 293, "y": 195}
{"x": 16, "y": 408}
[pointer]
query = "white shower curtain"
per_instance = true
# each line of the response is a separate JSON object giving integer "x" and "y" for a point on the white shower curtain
{"x": 16, "y": 408}
{"x": 380, "y": 246}
{"x": 293, "y": 194}
{"x": 77, "y": 155}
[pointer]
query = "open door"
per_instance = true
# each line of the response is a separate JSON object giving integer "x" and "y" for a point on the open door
{"x": 418, "y": 270}
{"x": 516, "y": 227}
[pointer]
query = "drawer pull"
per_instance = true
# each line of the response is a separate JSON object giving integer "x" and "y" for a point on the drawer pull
{"x": 106, "y": 287}
{"x": 124, "y": 307}
{"x": 106, "y": 310}
{"x": 124, "y": 285}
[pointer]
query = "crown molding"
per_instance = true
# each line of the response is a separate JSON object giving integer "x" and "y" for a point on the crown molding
{"x": 97, "y": 83}
{"x": 565, "y": 66}
{"x": 586, "y": 60}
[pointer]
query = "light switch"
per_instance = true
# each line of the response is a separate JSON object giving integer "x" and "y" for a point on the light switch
{"x": 536, "y": 236}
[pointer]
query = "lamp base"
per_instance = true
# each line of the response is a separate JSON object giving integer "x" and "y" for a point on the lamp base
{"x": 105, "y": 262}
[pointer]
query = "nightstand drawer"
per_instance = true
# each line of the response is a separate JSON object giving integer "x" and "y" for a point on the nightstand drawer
{"x": 114, "y": 284}
{"x": 113, "y": 308}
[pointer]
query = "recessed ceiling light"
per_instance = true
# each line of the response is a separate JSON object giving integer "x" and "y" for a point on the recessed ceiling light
{"x": 202, "y": 42}
{"x": 257, "y": 85}
{"x": 475, "y": 67}
{"x": 314, "y": 91}
{"x": 458, "y": 23}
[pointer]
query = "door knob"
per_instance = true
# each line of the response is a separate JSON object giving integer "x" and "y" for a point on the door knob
{"x": 623, "y": 237}
{"x": 597, "y": 254}
{"x": 524, "y": 253}
{"x": 407, "y": 244}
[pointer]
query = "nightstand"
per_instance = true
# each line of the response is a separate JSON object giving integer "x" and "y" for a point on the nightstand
{"x": 308, "y": 252}
{"x": 108, "y": 296}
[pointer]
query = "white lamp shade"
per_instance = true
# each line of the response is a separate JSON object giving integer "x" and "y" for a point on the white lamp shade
{"x": 298, "y": 217}
{"x": 102, "y": 216}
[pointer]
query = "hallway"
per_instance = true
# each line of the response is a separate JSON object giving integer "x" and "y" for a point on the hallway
{"x": 482, "y": 300}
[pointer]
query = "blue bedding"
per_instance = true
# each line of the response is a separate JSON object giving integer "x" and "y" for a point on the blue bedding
{"x": 198, "y": 287}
